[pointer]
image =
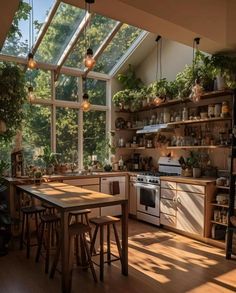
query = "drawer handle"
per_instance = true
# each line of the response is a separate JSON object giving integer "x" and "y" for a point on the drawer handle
{"x": 178, "y": 200}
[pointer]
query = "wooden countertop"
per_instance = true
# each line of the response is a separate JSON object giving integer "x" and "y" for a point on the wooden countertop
{"x": 190, "y": 180}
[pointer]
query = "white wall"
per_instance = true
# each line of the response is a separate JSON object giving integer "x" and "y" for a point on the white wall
{"x": 174, "y": 57}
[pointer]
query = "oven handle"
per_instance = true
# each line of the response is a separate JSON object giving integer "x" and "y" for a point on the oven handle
{"x": 148, "y": 186}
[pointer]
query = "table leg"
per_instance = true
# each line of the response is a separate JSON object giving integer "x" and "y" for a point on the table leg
{"x": 125, "y": 238}
{"x": 65, "y": 276}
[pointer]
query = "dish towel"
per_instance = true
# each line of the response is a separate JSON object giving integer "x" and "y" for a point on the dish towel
{"x": 114, "y": 187}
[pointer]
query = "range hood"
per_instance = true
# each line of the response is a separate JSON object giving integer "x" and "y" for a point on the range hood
{"x": 155, "y": 128}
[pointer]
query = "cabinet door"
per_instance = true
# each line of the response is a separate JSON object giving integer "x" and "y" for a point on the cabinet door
{"x": 190, "y": 212}
{"x": 132, "y": 199}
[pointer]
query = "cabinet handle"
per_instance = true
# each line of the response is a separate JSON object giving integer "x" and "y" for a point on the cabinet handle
{"x": 178, "y": 200}
{"x": 175, "y": 199}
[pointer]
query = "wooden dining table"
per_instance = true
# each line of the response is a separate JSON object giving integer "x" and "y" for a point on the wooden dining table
{"x": 67, "y": 198}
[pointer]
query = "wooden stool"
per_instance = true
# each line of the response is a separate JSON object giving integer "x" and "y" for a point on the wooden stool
{"x": 49, "y": 208}
{"x": 79, "y": 230}
{"x": 29, "y": 211}
{"x": 48, "y": 221}
{"x": 100, "y": 222}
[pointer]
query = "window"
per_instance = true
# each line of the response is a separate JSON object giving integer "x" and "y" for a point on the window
{"x": 67, "y": 88}
{"x": 96, "y": 91}
{"x": 36, "y": 131}
{"x": 94, "y": 137}
{"x": 66, "y": 133}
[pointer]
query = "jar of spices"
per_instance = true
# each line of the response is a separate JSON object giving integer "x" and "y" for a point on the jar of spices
{"x": 217, "y": 110}
{"x": 225, "y": 110}
{"x": 185, "y": 114}
{"x": 211, "y": 110}
{"x": 166, "y": 116}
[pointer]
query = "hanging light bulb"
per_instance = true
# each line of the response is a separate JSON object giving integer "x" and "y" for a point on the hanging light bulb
{"x": 85, "y": 106}
{"x": 31, "y": 95}
{"x": 32, "y": 64}
{"x": 89, "y": 61}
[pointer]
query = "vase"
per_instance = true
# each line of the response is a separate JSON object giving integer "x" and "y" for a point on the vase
{"x": 220, "y": 83}
{"x": 196, "y": 172}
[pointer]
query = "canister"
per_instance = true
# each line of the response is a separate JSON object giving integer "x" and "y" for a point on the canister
{"x": 225, "y": 109}
{"x": 211, "y": 110}
{"x": 217, "y": 110}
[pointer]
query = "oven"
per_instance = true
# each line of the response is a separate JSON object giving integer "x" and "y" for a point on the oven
{"x": 148, "y": 202}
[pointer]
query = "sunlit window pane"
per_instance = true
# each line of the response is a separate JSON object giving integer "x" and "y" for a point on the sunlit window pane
{"x": 96, "y": 91}
{"x": 67, "y": 88}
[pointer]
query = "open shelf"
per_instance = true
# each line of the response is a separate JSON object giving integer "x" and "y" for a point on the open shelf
{"x": 127, "y": 129}
{"x": 220, "y": 205}
{"x": 199, "y": 121}
{"x": 223, "y": 187}
{"x": 179, "y": 101}
{"x": 219, "y": 223}
{"x": 135, "y": 148}
{"x": 197, "y": 147}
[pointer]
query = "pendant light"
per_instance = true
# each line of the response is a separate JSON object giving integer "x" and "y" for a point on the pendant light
{"x": 31, "y": 63}
{"x": 159, "y": 99}
{"x": 197, "y": 89}
{"x": 85, "y": 105}
{"x": 89, "y": 61}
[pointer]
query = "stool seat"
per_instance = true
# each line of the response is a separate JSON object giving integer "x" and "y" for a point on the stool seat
{"x": 74, "y": 213}
{"x": 32, "y": 209}
{"x": 78, "y": 228}
{"x": 104, "y": 220}
{"x": 49, "y": 218}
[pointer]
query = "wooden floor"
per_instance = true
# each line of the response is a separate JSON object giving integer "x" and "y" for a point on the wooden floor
{"x": 159, "y": 261}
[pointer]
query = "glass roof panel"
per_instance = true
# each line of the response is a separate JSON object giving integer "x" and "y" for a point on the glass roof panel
{"x": 100, "y": 27}
{"x": 16, "y": 44}
{"x": 117, "y": 48}
{"x": 59, "y": 33}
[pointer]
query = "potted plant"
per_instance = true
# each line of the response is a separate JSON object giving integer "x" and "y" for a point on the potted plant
{"x": 38, "y": 177}
{"x": 49, "y": 158}
{"x": 194, "y": 162}
{"x": 129, "y": 79}
{"x": 184, "y": 82}
{"x": 122, "y": 99}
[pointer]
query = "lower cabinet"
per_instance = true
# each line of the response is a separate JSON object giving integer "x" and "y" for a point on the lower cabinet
{"x": 183, "y": 210}
{"x": 132, "y": 199}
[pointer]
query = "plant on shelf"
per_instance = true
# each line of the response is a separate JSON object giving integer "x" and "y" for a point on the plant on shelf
{"x": 129, "y": 79}
{"x": 184, "y": 82}
{"x": 123, "y": 99}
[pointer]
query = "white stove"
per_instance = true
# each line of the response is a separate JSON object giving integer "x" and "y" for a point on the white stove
{"x": 148, "y": 190}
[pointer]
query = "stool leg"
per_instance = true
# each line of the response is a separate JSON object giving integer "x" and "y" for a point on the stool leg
{"x": 89, "y": 257}
{"x": 92, "y": 247}
{"x": 90, "y": 231}
{"x": 36, "y": 225}
{"x": 48, "y": 248}
{"x": 27, "y": 236}
{"x": 108, "y": 245}
{"x": 56, "y": 259}
{"x": 22, "y": 231}
{"x": 71, "y": 260}
{"x": 117, "y": 241}
{"x": 101, "y": 254}
{"x": 40, "y": 242}
{"x": 76, "y": 240}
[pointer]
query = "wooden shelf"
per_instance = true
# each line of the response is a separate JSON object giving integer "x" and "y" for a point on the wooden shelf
{"x": 219, "y": 223}
{"x": 223, "y": 187}
{"x": 179, "y": 101}
{"x": 196, "y": 147}
{"x": 220, "y": 205}
{"x": 199, "y": 121}
{"x": 136, "y": 148}
{"x": 127, "y": 129}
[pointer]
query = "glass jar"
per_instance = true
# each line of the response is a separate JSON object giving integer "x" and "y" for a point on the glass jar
{"x": 211, "y": 110}
{"x": 166, "y": 117}
{"x": 225, "y": 109}
{"x": 185, "y": 114}
{"x": 217, "y": 110}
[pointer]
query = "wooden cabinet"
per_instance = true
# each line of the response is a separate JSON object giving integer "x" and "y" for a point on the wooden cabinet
{"x": 182, "y": 206}
{"x": 132, "y": 199}
{"x": 190, "y": 212}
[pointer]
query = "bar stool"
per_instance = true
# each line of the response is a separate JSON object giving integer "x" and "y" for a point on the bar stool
{"x": 79, "y": 230}
{"x": 100, "y": 223}
{"x": 27, "y": 212}
{"x": 49, "y": 208}
{"x": 80, "y": 217}
{"x": 49, "y": 222}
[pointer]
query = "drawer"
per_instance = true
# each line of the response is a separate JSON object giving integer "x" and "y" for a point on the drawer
{"x": 168, "y": 193}
{"x": 92, "y": 187}
{"x": 168, "y": 207}
{"x": 168, "y": 220}
{"x": 168, "y": 184}
{"x": 191, "y": 188}
{"x": 83, "y": 181}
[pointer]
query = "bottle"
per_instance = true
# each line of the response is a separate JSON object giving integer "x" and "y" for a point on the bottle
{"x": 185, "y": 114}
{"x": 121, "y": 163}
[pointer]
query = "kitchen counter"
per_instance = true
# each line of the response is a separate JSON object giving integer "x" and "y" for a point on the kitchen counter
{"x": 190, "y": 180}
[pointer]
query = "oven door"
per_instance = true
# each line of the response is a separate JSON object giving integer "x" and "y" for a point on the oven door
{"x": 148, "y": 199}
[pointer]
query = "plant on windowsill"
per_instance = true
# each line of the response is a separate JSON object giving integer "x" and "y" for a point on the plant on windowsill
{"x": 193, "y": 162}
{"x": 50, "y": 159}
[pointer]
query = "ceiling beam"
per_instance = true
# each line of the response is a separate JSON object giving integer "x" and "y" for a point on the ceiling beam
{"x": 72, "y": 42}
{"x": 104, "y": 44}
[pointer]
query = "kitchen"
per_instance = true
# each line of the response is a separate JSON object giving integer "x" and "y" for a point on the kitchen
{"x": 170, "y": 160}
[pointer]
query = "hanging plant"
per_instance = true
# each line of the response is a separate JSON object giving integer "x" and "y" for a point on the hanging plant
{"x": 12, "y": 98}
